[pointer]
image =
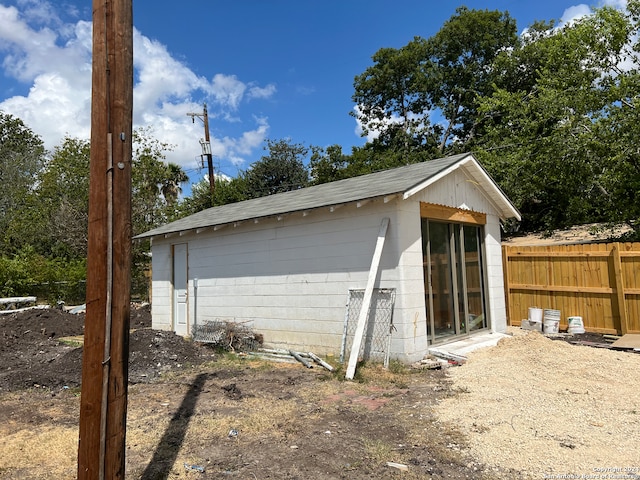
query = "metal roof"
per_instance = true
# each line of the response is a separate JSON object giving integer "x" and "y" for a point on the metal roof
{"x": 405, "y": 180}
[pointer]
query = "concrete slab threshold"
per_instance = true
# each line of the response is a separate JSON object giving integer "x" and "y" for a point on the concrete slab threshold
{"x": 460, "y": 349}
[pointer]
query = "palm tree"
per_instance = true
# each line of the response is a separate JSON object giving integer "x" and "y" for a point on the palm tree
{"x": 170, "y": 187}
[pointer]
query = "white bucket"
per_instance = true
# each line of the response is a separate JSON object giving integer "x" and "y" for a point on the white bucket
{"x": 575, "y": 325}
{"x": 535, "y": 314}
{"x": 551, "y": 321}
{"x": 527, "y": 324}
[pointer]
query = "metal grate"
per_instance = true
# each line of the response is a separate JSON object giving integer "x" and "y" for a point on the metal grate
{"x": 227, "y": 336}
{"x": 377, "y": 333}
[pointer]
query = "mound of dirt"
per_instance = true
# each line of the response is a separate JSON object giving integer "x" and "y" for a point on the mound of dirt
{"x": 35, "y": 349}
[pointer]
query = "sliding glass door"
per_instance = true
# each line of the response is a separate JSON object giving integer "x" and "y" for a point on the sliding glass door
{"x": 454, "y": 279}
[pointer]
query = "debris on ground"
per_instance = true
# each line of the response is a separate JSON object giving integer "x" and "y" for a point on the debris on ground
{"x": 227, "y": 336}
{"x": 398, "y": 466}
{"x": 290, "y": 356}
{"x": 299, "y": 358}
{"x": 430, "y": 362}
{"x": 14, "y": 303}
{"x": 78, "y": 309}
{"x": 197, "y": 468}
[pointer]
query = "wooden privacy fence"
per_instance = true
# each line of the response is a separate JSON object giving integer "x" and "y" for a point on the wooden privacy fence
{"x": 598, "y": 282}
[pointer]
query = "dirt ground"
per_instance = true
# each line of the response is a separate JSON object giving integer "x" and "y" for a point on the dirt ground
{"x": 196, "y": 413}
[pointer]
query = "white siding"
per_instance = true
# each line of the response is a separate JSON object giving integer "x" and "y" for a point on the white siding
{"x": 495, "y": 277}
{"x": 459, "y": 191}
{"x": 289, "y": 279}
{"x": 409, "y": 343}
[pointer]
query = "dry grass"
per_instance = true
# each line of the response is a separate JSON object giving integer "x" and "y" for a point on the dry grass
{"x": 264, "y": 414}
{"x": 254, "y": 416}
{"x": 50, "y": 450}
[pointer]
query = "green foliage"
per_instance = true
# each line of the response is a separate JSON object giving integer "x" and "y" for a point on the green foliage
{"x": 150, "y": 176}
{"x": 156, "y": 186}
{"x": 446, "y": 73}
{"x": 391, "y": 96}
{"x": 63, "y": 192}
{"x": 460, "y": 67}
{"x": 44, "y": 209}
{"x": 283, "y": 169}
{"x": 21, "y": 158}
{"x": 29, "y": 273}
{"x": 170, "y": 187}
{"x": 328, "y": 165}
{"x": 225, "y": 191}
{"x": 555, "y": 142}
{"x": 53, "y": 214}
{"x": 16, "y": 276}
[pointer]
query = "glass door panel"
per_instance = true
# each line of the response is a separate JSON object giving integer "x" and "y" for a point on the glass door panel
{"x": 459, "y": 276}
{"x": 453, "y": 272}
{"x": 441, "y": 317}
{"x": 476, "y": 318}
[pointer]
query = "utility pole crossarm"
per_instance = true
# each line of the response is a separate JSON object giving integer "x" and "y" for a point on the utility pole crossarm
{"x": 206, "y": 146}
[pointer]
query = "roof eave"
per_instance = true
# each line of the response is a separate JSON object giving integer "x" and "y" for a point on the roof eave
{"x": 160, "y": 233}
{"x": 489, "y": 188}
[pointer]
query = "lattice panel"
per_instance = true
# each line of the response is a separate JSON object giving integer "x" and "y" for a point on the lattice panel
{"x": 377, "y": 333}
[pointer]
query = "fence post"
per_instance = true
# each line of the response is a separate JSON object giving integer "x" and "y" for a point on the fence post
{"x": 507, "y": 283}
{"x": 619, "y": 288}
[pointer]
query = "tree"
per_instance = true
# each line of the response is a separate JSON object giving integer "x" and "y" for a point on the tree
{"x": 227, "y": 191}
{"x": 155, "y": 184}
{"x": 617, "y": 132}
{"x": 22, "y": 156}
{"x": 443, "y": 76}
{"x": 63, "y": 196}
{"x": 170, "y": 187}
{"x": 155, "y": 189}
{"x": 460, "y": 67}
{"x": 391, "y": 98}
{"x": 327, "y": 165}
{"x": 540, "y": 139}
{"x": 281, "y": 170}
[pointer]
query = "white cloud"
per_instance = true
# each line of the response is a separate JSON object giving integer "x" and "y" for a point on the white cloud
{"x": 228, "y": 90}
{"x": 54, "y": 59}
{"x": 619, "y": 4}
{"x": 261, "y": 92}
{"x": 247, "y": 143}
{"x": 574, "y": 13}
{"x": 578, "y": 11}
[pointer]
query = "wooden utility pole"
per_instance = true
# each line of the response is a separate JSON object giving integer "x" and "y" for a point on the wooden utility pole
{"x": 206, "y": 147}
{"x": 105, "y": 364}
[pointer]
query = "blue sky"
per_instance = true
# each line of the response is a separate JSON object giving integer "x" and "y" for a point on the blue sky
{"x": 267, "y": 69}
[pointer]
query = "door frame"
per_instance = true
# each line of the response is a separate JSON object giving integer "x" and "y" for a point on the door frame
{"x": 452, "y": 216}
{"x": 180, "y": 296}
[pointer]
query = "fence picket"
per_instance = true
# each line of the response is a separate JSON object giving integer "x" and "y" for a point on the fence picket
{"x": 598, "y": 282}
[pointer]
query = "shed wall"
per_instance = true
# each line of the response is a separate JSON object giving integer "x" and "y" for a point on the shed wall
{"x": 289, "y": 278}
{"x": 458, "y": 190}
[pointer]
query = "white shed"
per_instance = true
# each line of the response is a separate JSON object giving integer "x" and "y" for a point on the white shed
{"x": 293, "y": 266}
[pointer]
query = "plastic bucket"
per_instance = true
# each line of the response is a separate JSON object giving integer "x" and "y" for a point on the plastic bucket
{"x": 551, "y": 321}
{"x": 527, "y": 324}
{"x": 575, "y": 325}
{"x": 535, "y": 314}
